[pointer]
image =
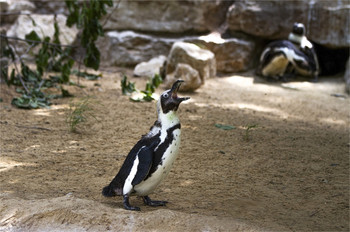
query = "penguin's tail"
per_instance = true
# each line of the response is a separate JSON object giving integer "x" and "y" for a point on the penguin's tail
{"x": 108, "y": 191}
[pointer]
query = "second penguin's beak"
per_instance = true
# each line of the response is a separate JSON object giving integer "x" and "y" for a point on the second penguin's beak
{"x": 174, "y": 89}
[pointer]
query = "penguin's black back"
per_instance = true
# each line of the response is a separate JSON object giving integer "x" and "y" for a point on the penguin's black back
{"x": 117, "y": 184}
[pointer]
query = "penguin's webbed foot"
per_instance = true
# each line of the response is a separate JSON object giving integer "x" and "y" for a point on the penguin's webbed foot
{"x": 127, "y": 205}
{"x": 149, "y": 202}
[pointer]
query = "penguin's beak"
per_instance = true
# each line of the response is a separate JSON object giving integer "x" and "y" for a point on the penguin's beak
{"x": 174, "y": 89}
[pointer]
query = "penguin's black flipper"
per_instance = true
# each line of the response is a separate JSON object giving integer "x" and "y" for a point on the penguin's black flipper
{"x": 145, "y": 156}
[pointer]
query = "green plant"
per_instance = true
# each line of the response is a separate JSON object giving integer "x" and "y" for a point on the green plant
{"x": 52, "y": 56}
{"x": 225, "y": 127}
{"x": 147, "y": 94}
{"x": 86, "y": 17}
{"x": 79, "y": 112}
{"x": 247, "y": 135}
{"x": 127, "y": 86}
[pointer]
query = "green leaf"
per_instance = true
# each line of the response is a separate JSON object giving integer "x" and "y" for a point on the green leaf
{"x": 65, "y": 73}
{"x": 56, "y": 38}
{"x": 8, "y": 52}
{"x": 225, "y": 127}
{"x": 156, "y": 80}
{"x": 92, "y": 58}
{"x": 29, "y": 75}
{"x": 32, "y": 36}
{"x": 127, "y": 86}
{"x": 88, "y": 76}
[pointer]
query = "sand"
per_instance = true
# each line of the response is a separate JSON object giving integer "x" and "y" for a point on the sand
{"x": 289, "y": 171}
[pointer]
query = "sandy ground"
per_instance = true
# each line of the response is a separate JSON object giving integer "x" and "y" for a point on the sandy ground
{"x": 290, "y": 172}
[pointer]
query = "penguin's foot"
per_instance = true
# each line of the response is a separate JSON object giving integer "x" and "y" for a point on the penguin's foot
{"x": 127, "y": 205}
{"x": 149, "y": 202}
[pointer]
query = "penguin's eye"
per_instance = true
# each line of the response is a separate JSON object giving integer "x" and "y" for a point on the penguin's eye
{"x": 165, "y": 95}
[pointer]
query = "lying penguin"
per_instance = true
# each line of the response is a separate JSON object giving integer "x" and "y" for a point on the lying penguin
{"x": 282, "y": 57}
{"x": 151, "y": 159}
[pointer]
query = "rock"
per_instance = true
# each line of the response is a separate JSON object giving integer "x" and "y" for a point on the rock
{"x": 231, "y": 54}
{"x": 50, "y": 7}
{"x": 20, "y": 6}
{"x": 4, "y": 66}
{"x": 330, "y": 23}
{"x": 326, "y": 22}
{"x": 44, "y": 27}
{"x": 168, "y": 16}
{"x": 347, "y": 77}
{"x": 184, "y": 72}
{"x": 150, "y": 68}
{"x": 13, "y": 8}
{"x": 129, "y": 48}
{"x": 4, "y": 5}
{"x": 199, "y": 59}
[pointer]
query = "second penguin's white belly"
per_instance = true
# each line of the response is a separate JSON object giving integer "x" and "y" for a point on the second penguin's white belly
{"x": 147, "y": 186}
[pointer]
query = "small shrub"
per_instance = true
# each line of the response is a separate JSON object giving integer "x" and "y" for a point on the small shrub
{"x": 79, "y": 112}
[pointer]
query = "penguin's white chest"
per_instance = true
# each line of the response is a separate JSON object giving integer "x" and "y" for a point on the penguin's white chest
{"x": 276, "y": 67}
{"x": 147, "y": 186}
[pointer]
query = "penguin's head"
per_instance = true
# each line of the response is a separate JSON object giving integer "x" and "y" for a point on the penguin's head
{"x": 169, "y": 101}
{"x": 298, "y": 29}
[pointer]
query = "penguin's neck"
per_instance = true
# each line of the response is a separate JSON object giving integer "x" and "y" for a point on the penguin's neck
{"x": 168, "y": 120}
{"x": 295, "y": 38}
{"x": 301, "y": 41}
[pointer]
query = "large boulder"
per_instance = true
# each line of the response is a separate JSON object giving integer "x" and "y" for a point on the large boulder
{"x": 326, "y": 22}
{"x": 231, "y": 54}
{"x": 199, "y": 59}
{"x": 44, "y": 27}
{"x": 150, "y": 68}
{"x": 168, "y": 16}
{"x": 184, "y": 72}
{"x": 13, "y": 8}
{"x": 128, "y": 48}
{"x": 50, "y": 7}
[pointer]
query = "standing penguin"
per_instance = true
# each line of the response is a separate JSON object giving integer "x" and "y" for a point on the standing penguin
{"x": 298, "y": 37}
{"x": 151, "y": 159}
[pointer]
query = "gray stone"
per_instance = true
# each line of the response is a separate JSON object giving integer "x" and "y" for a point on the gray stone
{"x": 168, "y": 16}
{"x": 232, "y": 54}
{"x": 347, "y": 77}
{"x": 44, "y": 27}
{"x": 4, "y": 5}
{"x": 50, "y": 7}
{"x": 184, "y": 72}
{"x": 200, "y": 59}
{"x": 128, "y": 48}
{"x": 13, "y": 8}
{"x": 326, "y": 22}
{"x": 151, "y": 67}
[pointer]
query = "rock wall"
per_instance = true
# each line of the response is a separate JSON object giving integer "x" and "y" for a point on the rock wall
{"x": 326, "y": 21}
{"x": 234, "y": 31}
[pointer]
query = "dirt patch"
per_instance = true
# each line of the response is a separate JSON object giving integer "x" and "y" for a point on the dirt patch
{"x": 289, "y": 172}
